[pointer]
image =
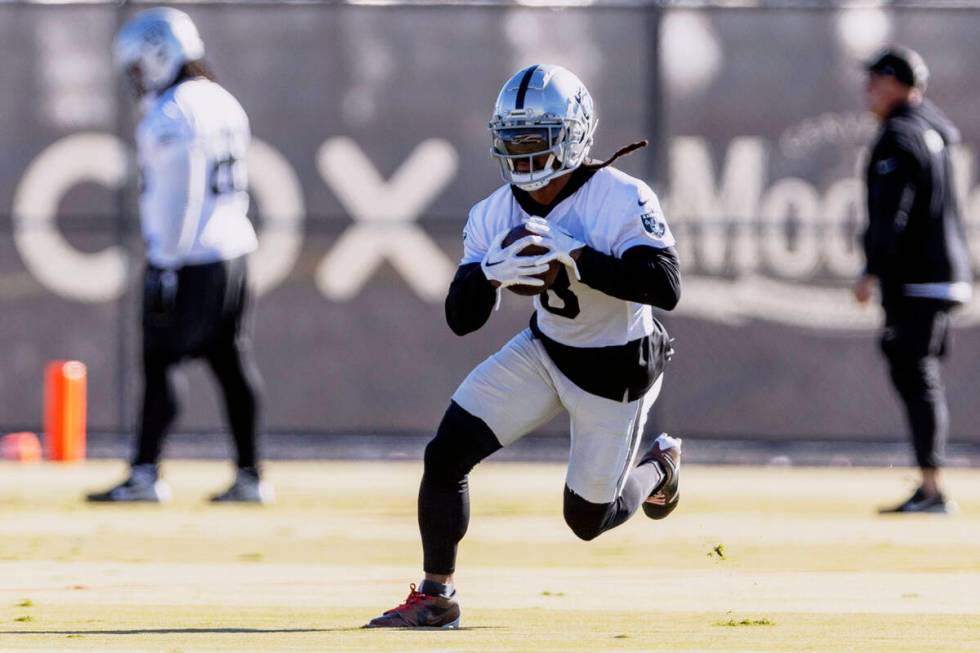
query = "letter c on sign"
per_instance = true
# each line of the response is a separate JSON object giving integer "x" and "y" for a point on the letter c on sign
{"x": 83, "y": 157}
{"x": 278, "y": 194}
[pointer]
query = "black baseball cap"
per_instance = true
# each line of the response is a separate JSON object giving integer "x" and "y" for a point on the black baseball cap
{"x": 904, "y": 64}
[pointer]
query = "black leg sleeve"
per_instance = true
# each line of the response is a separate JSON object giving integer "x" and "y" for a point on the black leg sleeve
{"x": 159, "y": 406}
{"x": 230, "y": 356}
{"x": 238, "y": 376}
{"x": 461, "y": 442}
{"x": 589, "y": 520}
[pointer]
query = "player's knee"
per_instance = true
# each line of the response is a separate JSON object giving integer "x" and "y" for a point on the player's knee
{"x": 442, "y": 462}
{"x": 586, "y": 532}
{"x": 906, "y": 355}
{"x": 461, "y": 441}
{"x": 909, "y": 374}
{"x": 587, "y": 520}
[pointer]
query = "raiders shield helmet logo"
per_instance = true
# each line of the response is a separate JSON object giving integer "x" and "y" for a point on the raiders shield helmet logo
{"x": 653, "y": 225}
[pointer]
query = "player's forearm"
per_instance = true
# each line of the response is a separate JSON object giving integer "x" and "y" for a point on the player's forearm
{"x": 887, "y": 218}
{"x": 173, "y": 203}
{"x": 646, "y": 275}
{"x": 892, "y": 185}
{"x": 192, "y": 195}
{"x": 470, "y": 300}
{"x": 875, "y": 254}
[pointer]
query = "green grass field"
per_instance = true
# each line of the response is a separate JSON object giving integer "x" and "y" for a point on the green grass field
{"x": 755, "y": 559}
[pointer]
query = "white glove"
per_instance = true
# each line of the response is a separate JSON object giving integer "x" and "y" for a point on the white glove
{"x": 560, "y": 242}
{"x": 506, "y": 268}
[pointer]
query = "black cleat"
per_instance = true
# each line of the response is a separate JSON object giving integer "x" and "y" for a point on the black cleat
{"x": 142, "y": 486}
{"x": 922, "y": 503}
{"x": 420, "y": 611}
{"x": 247, "y": 488}
{"x": 666, "y": 453}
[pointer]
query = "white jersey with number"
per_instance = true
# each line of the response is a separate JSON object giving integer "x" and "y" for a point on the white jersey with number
{"x": 611, "y": 213}
{"x": 192, "y": 144}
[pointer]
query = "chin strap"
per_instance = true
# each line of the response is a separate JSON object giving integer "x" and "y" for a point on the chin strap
{"x": 623, "y": 151}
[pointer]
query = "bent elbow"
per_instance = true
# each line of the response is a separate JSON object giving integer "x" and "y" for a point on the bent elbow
{"x": 460, "y": 328}
{"x": 665, "y": 297}
{"x": 673, "y": 294}
{"x": 671, "y": 300}
{"x": 456, "y": 323}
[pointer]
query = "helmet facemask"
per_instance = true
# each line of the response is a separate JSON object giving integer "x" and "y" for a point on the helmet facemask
{"x": 528, "y": 156}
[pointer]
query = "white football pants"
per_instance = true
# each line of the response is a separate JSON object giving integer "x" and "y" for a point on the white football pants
{"x": 519, "y": 389}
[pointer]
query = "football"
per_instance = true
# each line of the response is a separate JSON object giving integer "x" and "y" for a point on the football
{"x": 548, "y": 276}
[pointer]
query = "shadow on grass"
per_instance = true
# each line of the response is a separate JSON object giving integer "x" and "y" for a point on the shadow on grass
{"x": 228, "y": 631}
{"x": 179, "y": 631}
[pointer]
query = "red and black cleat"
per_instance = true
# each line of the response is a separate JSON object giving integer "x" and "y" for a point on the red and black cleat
{"x": 421, "y": 611}
{"x": 666, "y": 452}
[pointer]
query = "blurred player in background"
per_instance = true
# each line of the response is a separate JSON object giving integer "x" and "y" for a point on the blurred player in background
{"x": 593, "y": 347}
{"x": 192, "y": 141}
{"x": 916, "y": 253}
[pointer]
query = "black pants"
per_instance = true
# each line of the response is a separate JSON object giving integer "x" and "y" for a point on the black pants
{"x": 914, "y": 341}
{"x": 204, "y": 317}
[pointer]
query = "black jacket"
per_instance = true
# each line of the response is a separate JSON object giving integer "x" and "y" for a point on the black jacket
{"x": 915, "y": 234}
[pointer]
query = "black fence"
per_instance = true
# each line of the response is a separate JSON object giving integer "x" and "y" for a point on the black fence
{"x": 371, "y": 145}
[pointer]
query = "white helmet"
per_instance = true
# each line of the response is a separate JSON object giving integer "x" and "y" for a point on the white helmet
{"x": 153, "y": 45}
{"x": 545, "y": 117}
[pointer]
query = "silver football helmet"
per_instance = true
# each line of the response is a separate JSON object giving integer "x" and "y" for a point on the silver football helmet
{"x": 542, "y": 125}
{"x": 153, "y": 45}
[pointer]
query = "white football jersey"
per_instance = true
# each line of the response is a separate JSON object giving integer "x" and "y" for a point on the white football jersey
{"x": 192, "y": 144}
{"x": 611, "y": 213}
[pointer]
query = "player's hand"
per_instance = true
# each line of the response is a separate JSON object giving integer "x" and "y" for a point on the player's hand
{"x": 864, "y": 288}
{"x": 503, "y": 266}
{"x": 564, "y": 247}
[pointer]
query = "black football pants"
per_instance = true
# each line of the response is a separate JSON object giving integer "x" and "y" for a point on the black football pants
{"x": 206, "y": 318}
{"x": 914, "y": 341}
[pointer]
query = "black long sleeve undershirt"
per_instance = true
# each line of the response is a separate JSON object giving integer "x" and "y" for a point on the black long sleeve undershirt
{"x": 891, "y": 198}
{"x": 646, "y": 275}
{"x": 470, "y": 300}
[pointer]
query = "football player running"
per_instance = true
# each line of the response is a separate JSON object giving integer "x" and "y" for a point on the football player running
{"x": 593, "y": 347}
{"x": 191, "y": 141}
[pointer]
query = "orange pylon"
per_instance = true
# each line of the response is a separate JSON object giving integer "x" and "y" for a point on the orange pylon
{"x": 64, "y": 410}
{"x": 22, "y": 447}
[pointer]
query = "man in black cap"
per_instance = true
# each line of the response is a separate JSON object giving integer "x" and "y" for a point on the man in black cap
{"x": 916, "y": 253}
